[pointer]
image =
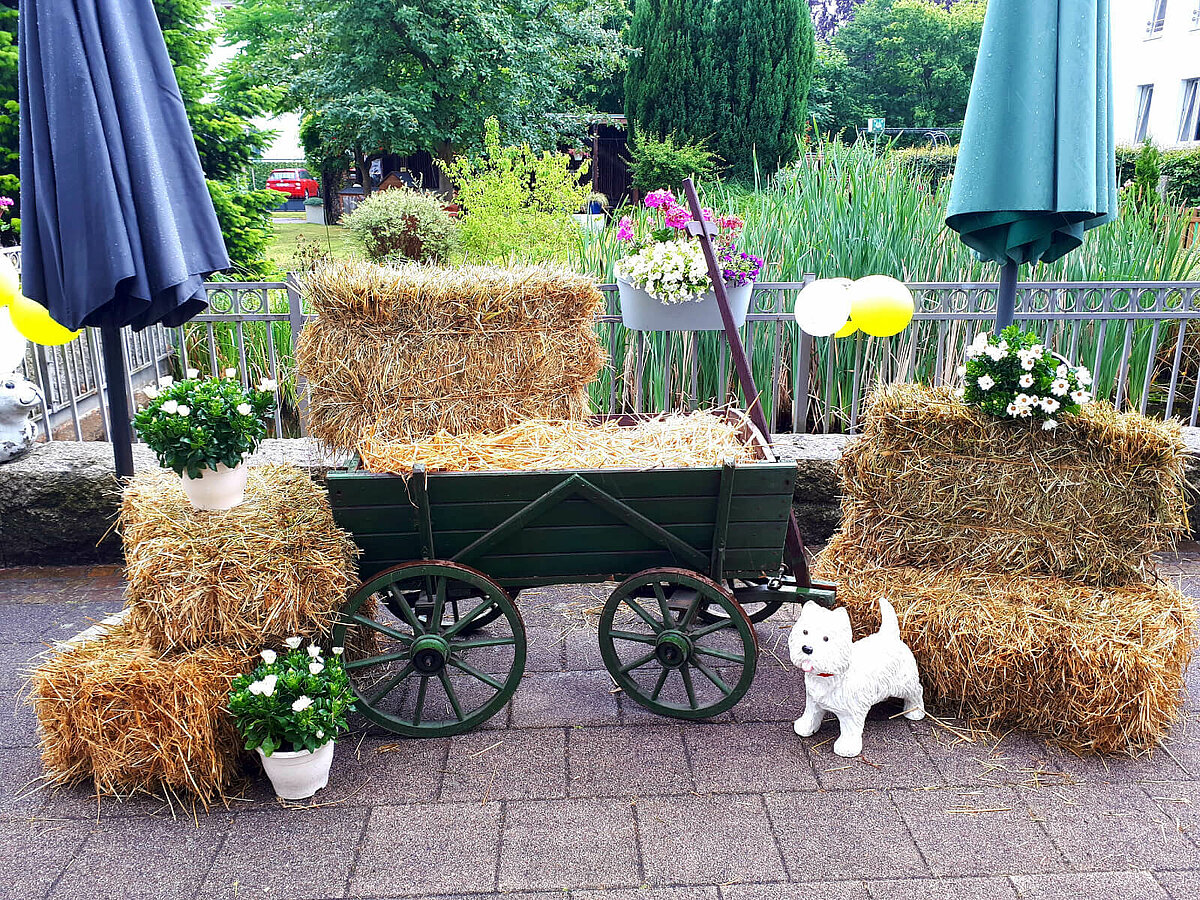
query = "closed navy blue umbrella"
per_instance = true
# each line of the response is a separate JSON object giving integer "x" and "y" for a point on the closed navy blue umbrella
{"x": 117, "y": 226}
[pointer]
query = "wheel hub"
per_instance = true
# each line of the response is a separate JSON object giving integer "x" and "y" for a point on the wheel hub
{"x": 429, "y": 654}
{"x": 673, "y": 648}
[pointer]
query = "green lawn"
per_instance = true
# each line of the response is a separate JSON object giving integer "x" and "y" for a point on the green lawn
{"x": 286, "y": 249}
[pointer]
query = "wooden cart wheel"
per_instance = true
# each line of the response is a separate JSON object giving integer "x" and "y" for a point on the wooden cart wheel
{"x": 664, "y": 656}
{"x": 431, "y": 676}
{"x": 743, "y": 590}
{"x": 461, "y": 598}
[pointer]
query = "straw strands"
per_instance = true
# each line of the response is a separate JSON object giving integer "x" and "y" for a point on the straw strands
{"x": 131, "y": 720}
{"x": 406, "y": 352}
{"x": 698, "y": 439}
{"x": 247, "y": 577}
{"x": 932, "y": 482}
{"x": 1094, "y": 669}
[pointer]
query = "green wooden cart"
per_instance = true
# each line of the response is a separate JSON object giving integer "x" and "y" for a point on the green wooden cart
{"x": 698, "y": 554}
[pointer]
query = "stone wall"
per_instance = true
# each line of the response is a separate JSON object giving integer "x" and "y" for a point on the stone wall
{"x": 59, "y": 502}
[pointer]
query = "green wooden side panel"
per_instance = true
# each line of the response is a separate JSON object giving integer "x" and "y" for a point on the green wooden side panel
{"x": 576, "y": 539}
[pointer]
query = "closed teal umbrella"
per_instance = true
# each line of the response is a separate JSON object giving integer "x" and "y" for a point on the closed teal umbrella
{"x": 1036, "y": 168}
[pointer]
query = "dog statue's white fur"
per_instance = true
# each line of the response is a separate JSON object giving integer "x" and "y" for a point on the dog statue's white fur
{"x": 847, "y": 677}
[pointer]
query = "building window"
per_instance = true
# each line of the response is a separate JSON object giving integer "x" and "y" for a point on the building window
{"x": 1189, "y": 118}
{"x": 1145, "y": 95}
{"x": 1158, "y": 15}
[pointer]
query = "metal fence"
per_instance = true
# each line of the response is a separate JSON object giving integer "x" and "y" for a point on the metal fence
{"x": 1140, "y": 339}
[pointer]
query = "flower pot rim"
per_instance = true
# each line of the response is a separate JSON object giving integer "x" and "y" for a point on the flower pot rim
{"x": 295, "y": 754}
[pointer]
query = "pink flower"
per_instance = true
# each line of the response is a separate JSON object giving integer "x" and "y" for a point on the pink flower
{"x": 625, "y": 229}
{"x": 730, "y": 223}
{"x": 6, "y": 202}
{"x": 706, "y": 214}
{"x": 676, "y": 217}
{"x": 655, "y": 199}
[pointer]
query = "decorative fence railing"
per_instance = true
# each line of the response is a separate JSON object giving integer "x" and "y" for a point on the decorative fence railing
{"x": 1140, "y": 338}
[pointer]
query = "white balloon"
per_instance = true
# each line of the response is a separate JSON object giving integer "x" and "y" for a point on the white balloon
{"x": 824, "y": 306}
{"x": 12, "y": 344}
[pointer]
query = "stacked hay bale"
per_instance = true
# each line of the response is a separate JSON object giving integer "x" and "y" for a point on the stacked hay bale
{"x": 140, "y": 704}
{"x": 399, "y": 353}
{"x": 1020, "y": 563}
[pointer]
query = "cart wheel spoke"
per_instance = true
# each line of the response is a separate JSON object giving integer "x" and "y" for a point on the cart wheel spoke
{"x": 636, "y": 637}
{"x": 382, "y": 629}
{"x": 419, "y": 710}
{"x": 375, "y": 660}
{"x": 470, "y": 617}
{"x": 641, "y": 663}
{"x": 390, "y": 685}
{"x": 451, "y": 694}
{"x": 406, "y": 612}
{"x": 474, "y": 672}
{"x": 485, "y": 642}
{"x": 720, "y": 654}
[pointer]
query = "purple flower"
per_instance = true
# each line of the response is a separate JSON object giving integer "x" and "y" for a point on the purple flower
{"x": 706, "y": 214}
{"x": 655, "y": 199}
{"x": 625, "y": 229}
{"x": 675, "y": 216}
{"x": 6, "y": 202}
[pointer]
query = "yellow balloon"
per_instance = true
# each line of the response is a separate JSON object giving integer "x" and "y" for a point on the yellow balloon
{"x": 846, "y": 330}
{"x": 10, "y": 284}
{"x": 880, "y": 305}
{"x": 33, "y": 321}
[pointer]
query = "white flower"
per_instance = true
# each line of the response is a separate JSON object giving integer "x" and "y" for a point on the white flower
{"x": 1049, "y": 425}
{"x": 293, "y": 643}
{"x": 1023, "y": 400}
{"x": 301, "y": 703}
{"x": 1026, "y": 412}
{"x": 338, "y": 651}
{"x": 244, "y": 409}
{"x": 1049, "y": 404}
{"x": 986, "y": 382}
{"x": 231, "y": 373}
{"x": 981, "y": 340}
{"x": 1080, "y": 396}
{"x": 1025, "y": 380}
{"x": 1028, "y": 363}
{"x": 1003, "y": 345}
{"x": 960, "y": 371}
{"x": 193, "y": 373}
{"x": 170, "y": 407}
{"x": 268, "y": 684}
{"x": 316, "y": 668}
{"x": 166, "y": 381}
{"x": 183, "y": 411}
{"x": 320, "y": 735}
{"x": 256, "y": 687}
{"x": 995, "y": 353}
{"x": 151, "y": 392}
{"x": 960, "y": 393}
{"x": 267, "y": 385}
{"x": 314, "y": 651}
{"x": 1037, "y": 350}
{"x": 1060, "y": 387}
{"x": 1013, "y": 410}
{"x": 1083, "y": 376}
{"x": 1062, "y": 371}
{"x": 269, "y": 656}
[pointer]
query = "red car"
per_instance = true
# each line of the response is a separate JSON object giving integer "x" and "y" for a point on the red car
{"x": 294, "y": 182}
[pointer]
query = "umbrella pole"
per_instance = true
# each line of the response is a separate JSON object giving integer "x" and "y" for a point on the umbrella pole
{"x": 1006, "y": 299}
{"x": 119, "y": 429}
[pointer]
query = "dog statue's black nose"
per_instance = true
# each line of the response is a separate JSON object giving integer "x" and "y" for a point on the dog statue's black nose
{"x": 807, "y": 649}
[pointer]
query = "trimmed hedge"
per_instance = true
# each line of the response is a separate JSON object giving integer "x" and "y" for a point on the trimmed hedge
{"x": 1181, "y": 167}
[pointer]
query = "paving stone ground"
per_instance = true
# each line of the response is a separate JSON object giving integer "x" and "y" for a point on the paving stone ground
{"x": 575, "y": 792}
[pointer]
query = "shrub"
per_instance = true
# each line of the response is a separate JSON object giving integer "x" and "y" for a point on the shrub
{"x": 517, "y": 202}
{"x": 403, "y": 224}
{"x": 196, "y": 424}
{"x": 245, "y": 220}
{"x": 933, "y": 165}
{"x": 663, "y": 163}
{"x": 1182, "y": 168}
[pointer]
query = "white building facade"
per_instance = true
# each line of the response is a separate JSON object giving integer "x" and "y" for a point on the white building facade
{"x": 1156, "y": 71}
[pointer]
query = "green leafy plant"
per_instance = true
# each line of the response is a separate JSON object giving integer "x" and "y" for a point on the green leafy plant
{"x": 195, "y": 424}
{"x": 1015, "y": 376}
{"x": 517, "y": 202}
{"x": 295, "y": 699}
{"x": 663, "y": 163}
{"x": 403, "y": 224}
{"x": 314, "y": 201}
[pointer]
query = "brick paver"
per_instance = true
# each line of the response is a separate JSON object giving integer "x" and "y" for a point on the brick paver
{"x": 576, "y": 793}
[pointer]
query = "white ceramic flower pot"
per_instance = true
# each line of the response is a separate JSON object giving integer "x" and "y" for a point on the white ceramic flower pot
{"x": 641, "y": 312}
{"x": 219, "y": 488}
{"x": 314, "y": 215}
{"x": 300, "y": 774}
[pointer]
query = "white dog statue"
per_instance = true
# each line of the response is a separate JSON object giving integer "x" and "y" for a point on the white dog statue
{"x": 847, "y": 677}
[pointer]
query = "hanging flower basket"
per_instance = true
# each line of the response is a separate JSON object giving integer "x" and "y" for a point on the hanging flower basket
{"x": 642, "y": 312}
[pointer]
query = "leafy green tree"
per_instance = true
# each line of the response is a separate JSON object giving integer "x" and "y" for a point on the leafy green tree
{"x": 764, "y": 52}
{"x": 655, "y": 164}
{"x": 911, "y": 61}
{"x": 671, "y": 86}
{"x": 398, "y": 76}
{"x": 832, "y": 105}
{"x": 10, "y": 185}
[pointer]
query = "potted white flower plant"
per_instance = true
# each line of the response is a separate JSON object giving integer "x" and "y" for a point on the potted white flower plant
{"x": 314, "y": 211}
{"x": 291, "y": 709}
{"x": 204, "y": 429}
{"x": 663, "y": 282}
{"x": 1014, "y": 376}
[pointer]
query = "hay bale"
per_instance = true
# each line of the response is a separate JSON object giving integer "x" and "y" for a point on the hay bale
{"x": 400, "y": 353}
{"x": 1093, "y": 669}
{"x": 112, "y": 710}
{"x": 932, "y": 482}
{"x": 246, "y": 577}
